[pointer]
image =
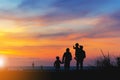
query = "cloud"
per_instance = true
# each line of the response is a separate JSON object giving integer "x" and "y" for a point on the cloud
{"x": 61, "y": 34}
{"x": 106, "y": 27}
{"x": 64, "y": 12}
{"x": 36, "y": 7}
{"x": 72, "y": 9}
{"x": 98, "y": 27}
{"x": 115, "y": 15}
{"x": 9, "y": 5}
{"x": 37, "y": 4}
{"x": 57, "y": 11}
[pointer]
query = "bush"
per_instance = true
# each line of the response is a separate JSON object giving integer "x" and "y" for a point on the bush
{"x": 104, "y": 62}
{"x": 118, "y": 61}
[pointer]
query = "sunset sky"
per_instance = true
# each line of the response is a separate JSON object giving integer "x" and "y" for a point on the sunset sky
{"x": 40, "y": 30}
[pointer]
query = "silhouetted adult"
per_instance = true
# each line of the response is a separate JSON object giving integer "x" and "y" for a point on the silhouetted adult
{"x": 67, "y": 57}
{"x": 77, "y": 50}
{"x": 57, "y": 63}
{"x": 81, "y": 57}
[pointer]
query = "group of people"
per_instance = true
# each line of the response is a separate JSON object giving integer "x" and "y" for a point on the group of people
{"x": 80, "y": 55}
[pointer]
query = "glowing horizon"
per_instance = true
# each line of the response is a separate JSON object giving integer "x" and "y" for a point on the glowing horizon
{"x": 44, "y": 29}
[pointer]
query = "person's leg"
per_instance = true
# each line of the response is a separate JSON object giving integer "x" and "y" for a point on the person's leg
{"x": 68, "y": 65}
{"x": 81, "y": 64}
{"x": 77, "y": 65}
{"x": 65, "y": 66}
{"x": 59, "y": 68}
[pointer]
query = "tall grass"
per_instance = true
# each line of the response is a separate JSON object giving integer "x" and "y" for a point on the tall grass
{"x": 104, "y": 61}
{"x": 118, "y": 61}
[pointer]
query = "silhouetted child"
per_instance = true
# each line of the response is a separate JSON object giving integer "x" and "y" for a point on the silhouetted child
{"x": 57, "y": 63}
{"x": 77, "y": 49}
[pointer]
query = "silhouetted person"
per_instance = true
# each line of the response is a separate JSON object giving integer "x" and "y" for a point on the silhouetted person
{"x": 118, "y": 62}
{"x": 57, "y": 63}
{"x": 77, "y": 53}
{"x": 76, "y": 47}
{"x": 80, "y": 58}
{"x": 67, "y": 57}
{"x": 33, "y": 65}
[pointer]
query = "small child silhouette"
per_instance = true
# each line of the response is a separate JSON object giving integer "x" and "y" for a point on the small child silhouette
{"x": 76, "y": 47}
{"x": 57, "y": 63}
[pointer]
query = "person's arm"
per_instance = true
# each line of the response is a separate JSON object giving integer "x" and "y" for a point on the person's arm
{"x": 60, "y": 62}
{"x": 70, "y": 56}
{"x": 73, "y": 47}
{"x": 54, "y": 63}
{"x": 63, "y": 58}
{"x": 84, "y": 54}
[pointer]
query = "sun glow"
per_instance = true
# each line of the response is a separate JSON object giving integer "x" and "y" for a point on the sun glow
{"x": 2, "y": 62}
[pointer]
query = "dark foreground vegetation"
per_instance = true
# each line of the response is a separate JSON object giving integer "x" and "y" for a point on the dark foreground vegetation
{"x": 94, "y": 74}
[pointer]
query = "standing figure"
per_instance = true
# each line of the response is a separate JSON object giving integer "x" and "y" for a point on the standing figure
{"x": 76, "y": 47}
{"x": 81, "y": 57}
{"x": 67, "y": 57}
{"x": 57, "y": 64}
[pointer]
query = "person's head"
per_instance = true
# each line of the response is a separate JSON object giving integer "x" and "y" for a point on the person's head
{"x": 57, "y": 57}
{"x": 76, "y": 44}
{"x": 81, "y": 47}
{"x": 67, "y": 49}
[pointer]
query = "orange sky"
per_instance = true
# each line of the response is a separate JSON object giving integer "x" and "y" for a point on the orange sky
{"x": 26, "y": 43}
{"x": 29, "y": 29}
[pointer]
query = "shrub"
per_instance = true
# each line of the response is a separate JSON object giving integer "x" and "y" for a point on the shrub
{"x": 118, "y": 61}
